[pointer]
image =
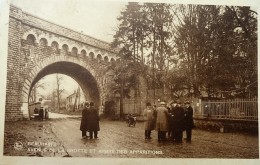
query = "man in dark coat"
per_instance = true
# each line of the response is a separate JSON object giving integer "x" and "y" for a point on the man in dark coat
{"x": 171, "y": 120}
{"x": 178, "y": 121}
{"x": 84, "y": 123}
{"x": 188, "y": 120}
{"x": 93, "y": 121}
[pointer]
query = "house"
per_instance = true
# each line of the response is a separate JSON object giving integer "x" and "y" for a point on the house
{"x": 74, "y": 101}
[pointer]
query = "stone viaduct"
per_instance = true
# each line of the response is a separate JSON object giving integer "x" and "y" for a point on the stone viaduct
{"x": 37, "y": 48}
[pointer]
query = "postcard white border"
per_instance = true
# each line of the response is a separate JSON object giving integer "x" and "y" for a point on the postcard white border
{"x": 4, "y": 14}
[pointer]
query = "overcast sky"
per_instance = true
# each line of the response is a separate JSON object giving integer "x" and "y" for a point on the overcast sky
{"x": 94, "y": 18}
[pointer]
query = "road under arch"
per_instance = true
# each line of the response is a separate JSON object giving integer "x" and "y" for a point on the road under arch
{"x": 80, "y": 74}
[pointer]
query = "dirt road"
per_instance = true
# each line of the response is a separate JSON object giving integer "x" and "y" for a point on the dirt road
{"x": 117, "y": 140}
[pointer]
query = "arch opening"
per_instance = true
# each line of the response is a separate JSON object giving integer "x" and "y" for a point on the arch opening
{"x": 31, "y": 39}
{"x": 65, "y": 49}
{"x": 55, "y": 47}
{"x": 81, "y": 75}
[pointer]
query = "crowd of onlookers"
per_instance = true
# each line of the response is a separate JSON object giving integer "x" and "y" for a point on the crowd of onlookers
{"x": 172, "y": 119}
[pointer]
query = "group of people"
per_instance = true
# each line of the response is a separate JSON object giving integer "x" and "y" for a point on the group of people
{"x": 89, "y": 121}
{"x": 172, "y": 119}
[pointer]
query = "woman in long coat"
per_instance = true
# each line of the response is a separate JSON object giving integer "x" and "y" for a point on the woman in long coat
{"x": 148, "y": 120}
{"x": 93, "y": 121}
{"x": 84, "y": 123}
{"x": 162, "y": 121}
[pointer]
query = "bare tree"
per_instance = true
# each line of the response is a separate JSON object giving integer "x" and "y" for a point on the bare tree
{"x": 34, "y": 91}
{"x": 58, "y": 90}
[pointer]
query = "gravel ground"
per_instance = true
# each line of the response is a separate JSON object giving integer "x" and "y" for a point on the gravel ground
{"x": 61, "y": 137}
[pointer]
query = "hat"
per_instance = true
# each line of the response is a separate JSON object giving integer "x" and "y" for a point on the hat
{"x": 162, "y": 103}
{"x": 187, "y": 102}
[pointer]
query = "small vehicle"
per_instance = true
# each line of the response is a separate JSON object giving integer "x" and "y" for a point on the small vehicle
{"x": 131, "y": 120}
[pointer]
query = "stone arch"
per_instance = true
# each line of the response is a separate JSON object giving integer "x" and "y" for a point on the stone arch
{"x": 91, "y": 55}
{"x": 99, "y": 58}
{"x": 43, "y": 42}
{"x": 106, "y": 59}
{"x": 74, "y": 51}
{"x": 65, "y": 49}
{"x": 112, "y": 60}
{"x": 65, "y": 43}
{"x": 31, "y": 39}
{"x": 31, "y": 32}
{"x": 55, "y": 46}
{"x": 43, "y": 36}
{"x": 83, "y": 53}
{"x": 56, "y": 41}
{"x": 64, "y": 65}
{"x": 86, "y": 48}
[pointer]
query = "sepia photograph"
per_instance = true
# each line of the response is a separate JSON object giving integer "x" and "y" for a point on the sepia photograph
{"x": 129, "y": 80}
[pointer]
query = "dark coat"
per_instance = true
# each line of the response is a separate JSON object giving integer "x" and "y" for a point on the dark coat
{"x": 41, "y": 113}
{"x": 188, "y": 118}
{"x": 171, "y": 122}
{"x": 93, "y": 119}
{"x": 84, "y": 123}
{"x": 178, "y": 119}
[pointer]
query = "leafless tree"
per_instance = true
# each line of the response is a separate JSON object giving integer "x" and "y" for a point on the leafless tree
{"x": 34, "y": 91}
{"x": 58, "y": 89}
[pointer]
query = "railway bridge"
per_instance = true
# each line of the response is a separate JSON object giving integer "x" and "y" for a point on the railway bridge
{"x": 37, "y": 47}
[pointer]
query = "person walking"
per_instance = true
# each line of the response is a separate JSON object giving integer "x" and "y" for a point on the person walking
{"x": 148, "y": 120}
{"x": 188, "y": 120}
{"x": 162, "y": 121}
{"x": 83, "y": 124}
{"x": 93, "y": 121}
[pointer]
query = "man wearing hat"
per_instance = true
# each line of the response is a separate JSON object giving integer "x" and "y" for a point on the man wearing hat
{"x": 93, "y": 121}
{"x": 162, "y": 121}
{"x": 178, "y": 122}
{"x": 148, "y": 120}
{"x": 188, "y": 120}
{"x": 171, "y": 119}
{"x": 84, "y": 122}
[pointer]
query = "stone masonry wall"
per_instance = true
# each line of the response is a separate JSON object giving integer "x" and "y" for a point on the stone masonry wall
{"x": 13, "y": 89}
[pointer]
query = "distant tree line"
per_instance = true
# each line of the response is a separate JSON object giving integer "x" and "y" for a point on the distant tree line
{"x": 187, "y": 50}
